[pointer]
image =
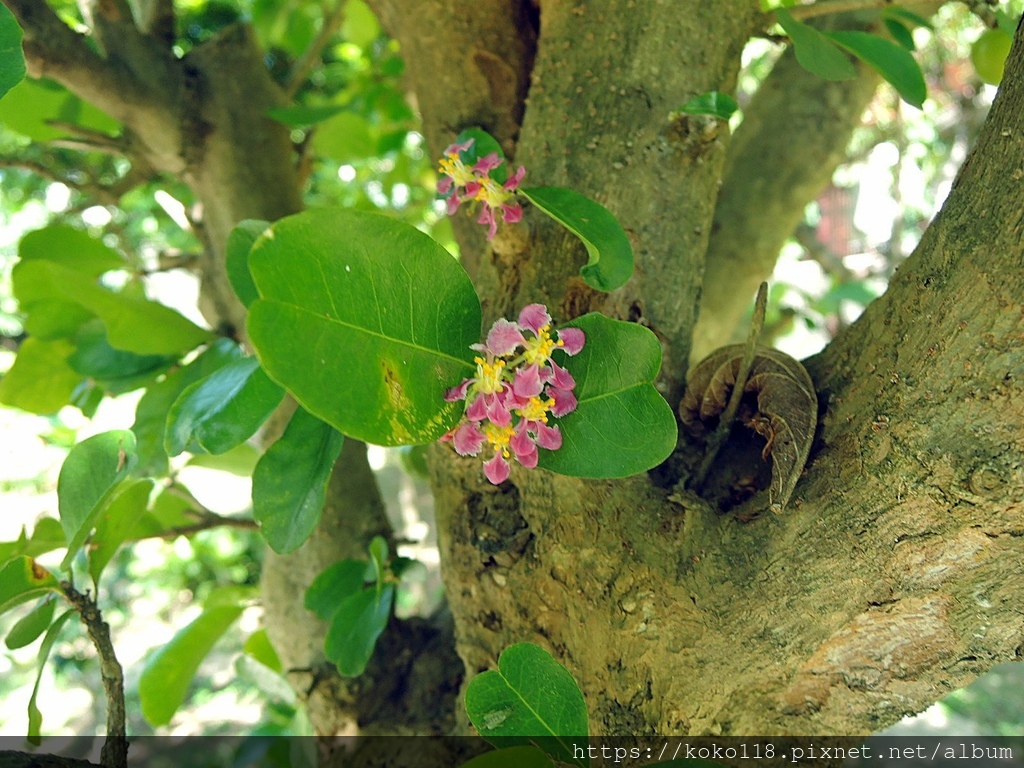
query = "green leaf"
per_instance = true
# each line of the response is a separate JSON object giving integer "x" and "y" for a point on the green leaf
{"x": 891, "y": 61}
{"x": 96, "y": 359}
{"x": 814, "y": 51}
{"x": 134, "y": 324}
{"x": 289, "y": 484}
{"x": 90, "y": 470}
{"x": 511, "y": 757}
{"x": 360, "y": 25}
{"x": 258, "y": 646}
{"x": 366, "y": 321}
{"x": 150, "y": 425}
{"x": 40, "y": 381}
{"x": 334, "y": 585}
{"x": 355, "y": 627}
{"x": 167, "y": 674}
{"x": 32, "y": 624}
{"x": 303, "y": 117}
{"x": 119, "y": 519}
{"x": 909, "y": 17}
{"x": 900, "y": 34}
{"x": 222, "y": 410}
{"x": 622, "y": 425}
{"x": 240, "y": 242}
{"x": 12, "y": 60}
{"x": 23, "y": 579}
{"x": 47, "y": 536}
{"x": 346, "y": 138}
{"x": 529, "y": 695}
{"x": 239, "y": 461}
{"x": 69, "y": 247}
{"x": 35, "y": 717}
{"x": 611, "y": 255}
{"x": 379, "y": 559}
{"x": 715, "y": 103}
{"x": 31, "y": 105}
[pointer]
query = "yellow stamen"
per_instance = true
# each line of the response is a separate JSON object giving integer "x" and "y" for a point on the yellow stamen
{"x": 498, "y": 437}
{"x": 489, "y": 376}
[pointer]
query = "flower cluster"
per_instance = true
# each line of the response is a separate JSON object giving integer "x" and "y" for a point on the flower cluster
{"x": 461, "y": 183}
{"x": 516, "y": 388}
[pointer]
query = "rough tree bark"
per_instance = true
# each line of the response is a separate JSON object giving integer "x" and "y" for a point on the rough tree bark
{"x": 888, "y": 582}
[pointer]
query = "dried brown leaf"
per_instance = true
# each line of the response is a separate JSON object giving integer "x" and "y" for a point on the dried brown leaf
{"x": 786, "y": 413}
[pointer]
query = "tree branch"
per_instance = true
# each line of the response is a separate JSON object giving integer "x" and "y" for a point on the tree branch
{"x": 330, "y": 25}
{"x": 115, "y": 749}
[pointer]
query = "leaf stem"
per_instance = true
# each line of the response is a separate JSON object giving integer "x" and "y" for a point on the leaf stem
{"x": 718, "y": 437}
{"x": 115, "y": 748}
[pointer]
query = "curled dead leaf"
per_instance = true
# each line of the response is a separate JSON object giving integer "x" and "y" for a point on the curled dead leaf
{"x": 779, "y": 403}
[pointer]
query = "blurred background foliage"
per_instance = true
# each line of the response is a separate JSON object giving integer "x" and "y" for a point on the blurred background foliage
{"x": 355, "y": 135}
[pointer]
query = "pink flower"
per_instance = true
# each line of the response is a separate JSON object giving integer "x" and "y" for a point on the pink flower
{"x": 460, "y": 183}
{"x": 516, "y": 390}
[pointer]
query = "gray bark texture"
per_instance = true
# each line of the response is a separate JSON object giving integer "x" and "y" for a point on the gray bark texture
{"x": 892, "y": 578}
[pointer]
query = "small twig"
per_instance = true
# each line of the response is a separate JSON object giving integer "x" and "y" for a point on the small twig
{"x": 115, "y": 748}
{"x": 208, "y": 522}
{"x": 825, "y": 7}
{"x": 718, "y": 437}
{"x": 305, "y": 63}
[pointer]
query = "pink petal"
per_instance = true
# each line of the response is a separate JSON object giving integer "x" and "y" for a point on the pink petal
{"x": 453, "y": 149}
{"x": 444, "y": 184}
{"x": 497, "y": 469}
{"x": 534, "y": 317}
{"x": 572, "y": 340}
{"x": 469, "y": 440}
{"x": 487, "y": 163}
{"x": 447, "y": 436}
{"x": 452, "y": 204}
{"x": 515, "y": 178}
{"x": 497, "y": 413}
{"x": 477, "y": 410}
{"x": 549, "y": 437}
{"x": 521, "y": 442}
{"x": 472, "y": 187}
{"x": 565, "y": 402}
{"x": 455, "y": 394}
{"x": 528, "y": 460}
{"x": 512, "y": 213}
{"x": 504, "y": 337}
{"x": 487, "y": 217}
{"x": 561, "y": 378}
{"x": 527, "y": 382}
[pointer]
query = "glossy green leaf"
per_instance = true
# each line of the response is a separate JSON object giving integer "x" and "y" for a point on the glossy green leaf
{"x": 900, "y": 34}
{"x": 891, "y": 61}
{"x": 355, "y": 627}
{"x": 258, "y": 646}
{"x": 12, "y": 60}
{"x": 168, "y": 672}
{"x": 714, "y": 103}
{"x": 622, "y": 426}
{"x": 366, "y": 321}
{"x": 46, "y": 537}
{"x": 334, "y": 585}
{"x": 360, "y": 25}
{"x": 303, "y": 117}
{"x": 150, "y": 425}
{"x": 222, "y": 410}
{"x": 134, "y": 324}
{"x": 908, "y": 17}
{"x": 289, "y": 484}
{"x": 378, "y": 550}
{"x": 118, "y": 521}
{"x": 174, "y": 508}
{"x": 31, "y": 105}
{"x": 346, "y": 138}
{"x": 239, "y": 461}
{"x": 90, "y": 470}
{"x": 240, "y": 242}
{"x": 40, "y": 381}
{"x": 30, "y": 626}
{"x": 611, "y": 255}
{"x": 529, "y": 695}
{"x": 70, "y": 247}
{"x": 816, "y": 52}
{"x": 23, "y": 579}
{"x": 96, "y": 359}
{"x": 511, "y": 757}
{"x": 35, "y": 717}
